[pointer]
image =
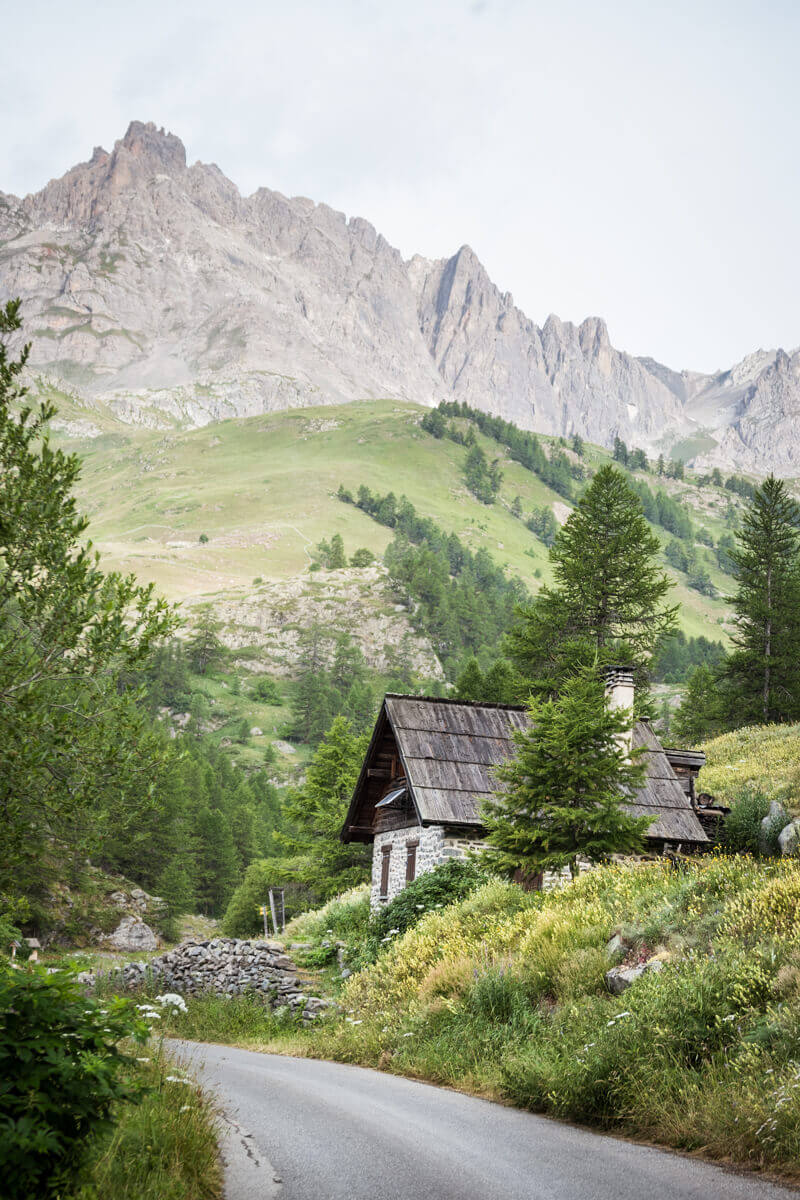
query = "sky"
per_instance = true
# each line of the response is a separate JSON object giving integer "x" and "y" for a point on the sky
{"x": 634, "y": 161}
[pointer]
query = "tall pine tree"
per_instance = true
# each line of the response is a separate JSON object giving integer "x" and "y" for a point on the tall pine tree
{"x": 607, "y": 603}
{"x": 565, "y": 788}
{"x": 761, "y": 680}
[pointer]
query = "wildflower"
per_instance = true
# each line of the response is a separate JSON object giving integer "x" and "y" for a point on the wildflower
{"x": 184, "y": 1108}
{"x": 177, "y": 1079}
{"x": 408, "y": 1035}
{"x": 619, "y": 1016}
{"x": 143, "y": 1060}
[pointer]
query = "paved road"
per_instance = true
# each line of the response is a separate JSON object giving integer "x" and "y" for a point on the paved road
{"x": 307, "y": 1130}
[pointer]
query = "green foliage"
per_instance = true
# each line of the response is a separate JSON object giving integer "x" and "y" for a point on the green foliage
{"x": 543, "y": 523}
{"x": 563, "y": 791}
{"x": 499, "y": 685}
{"x": 607, "y": 600}
{"x": 203, "y": 538}
{"x": 462, "y": 601}
{"x": 322, "y": 693}
{"x": 699, "y": 714}
{"x": 742, "y": 828}
{"x": 204, "y": 648}
{"x": 556, "y": 471}
{"x": 60, "y": 1075}
{"x": 313, "y": 814}
{"x": 445, "y": 884}
{"x": 242, "y": 918}
{"x": 482, "y": 479}
{"x": 72, "y": 730}
{"x": 331, "y": 554}
{"x": 266, "y": 690}
{"x": 677, "y": 655}
{"x": 762, "y": 675}
{"x": 162, "y": 1148}
{"x": 362, "y": 558}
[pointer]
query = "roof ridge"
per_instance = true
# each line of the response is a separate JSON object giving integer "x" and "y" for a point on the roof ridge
{"x": 458, "y": 703}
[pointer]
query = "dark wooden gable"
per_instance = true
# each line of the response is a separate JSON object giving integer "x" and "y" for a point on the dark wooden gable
{"x": 382, "y": 771}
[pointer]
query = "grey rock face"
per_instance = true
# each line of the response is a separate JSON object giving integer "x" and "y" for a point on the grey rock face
{"x": 776, "y": 820}
{"x": 619, "y": 979}
{"x": 157, "y": 288}
{"x": 133, "y": 934}
{"x": 789, "y": 838}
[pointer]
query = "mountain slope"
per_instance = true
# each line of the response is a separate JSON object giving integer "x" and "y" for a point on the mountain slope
{"x": 157, "y": 287}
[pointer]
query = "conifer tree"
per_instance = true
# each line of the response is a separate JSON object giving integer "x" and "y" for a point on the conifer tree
{"x": 313, "y": 815}
{"x": 565, "y": 788}
{"x": 607, "y": 602}
{"x": 762, "y": 675}
{"x": 699, "y": 715}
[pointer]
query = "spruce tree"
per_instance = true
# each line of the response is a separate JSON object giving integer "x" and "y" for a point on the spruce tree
{"x": 607, "y": 602}
{"x": 313, "y": 815}
{"x": 565, "y": 788}
{"x": 762, "y": 675}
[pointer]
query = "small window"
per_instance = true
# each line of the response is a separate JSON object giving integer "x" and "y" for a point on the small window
{"x": 411, "y": 861}
{"x": 386, "y": 854}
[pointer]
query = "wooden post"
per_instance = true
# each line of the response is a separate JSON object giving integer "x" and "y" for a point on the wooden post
{"x": 264, "y": 915}
{"x": 272, "y": 910}
{"x": 283, "y": 909}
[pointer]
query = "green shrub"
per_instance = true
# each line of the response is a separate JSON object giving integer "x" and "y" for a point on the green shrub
{"x": 242, "y": 918}
{"x": 60, "y": 1074}
{"x": 450, "y": 881}
{"x": 742, "y": 826}
{"x": 265, "y": 689}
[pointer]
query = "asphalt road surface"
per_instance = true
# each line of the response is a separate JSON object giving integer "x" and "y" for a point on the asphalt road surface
{"x": 300, "y": 1129}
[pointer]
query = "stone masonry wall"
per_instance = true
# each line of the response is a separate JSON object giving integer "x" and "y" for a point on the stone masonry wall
{"x": 434, "y": 847}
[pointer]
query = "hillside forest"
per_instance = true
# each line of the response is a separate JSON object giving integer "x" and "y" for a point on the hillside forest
{"x": 133, "y": 728}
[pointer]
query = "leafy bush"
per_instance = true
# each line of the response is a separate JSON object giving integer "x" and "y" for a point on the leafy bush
{"x": 265, "y": 689}
{"x": 242, "y": 918}
{"x": 450, "y": 881}
{"x": 742, "y": 826}
{"x": 60, "y": 1074}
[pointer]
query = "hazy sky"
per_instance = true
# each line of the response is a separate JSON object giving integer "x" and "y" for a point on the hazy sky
{"x": 637, "y": 161}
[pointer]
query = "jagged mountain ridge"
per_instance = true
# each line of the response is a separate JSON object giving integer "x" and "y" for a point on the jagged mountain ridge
{"x": 156, "y": 288}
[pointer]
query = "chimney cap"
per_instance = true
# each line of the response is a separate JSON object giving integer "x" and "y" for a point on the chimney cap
{"x": 619, "y": 673}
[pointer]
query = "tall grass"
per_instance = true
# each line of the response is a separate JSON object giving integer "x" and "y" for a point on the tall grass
{"x": 163, "y": 1148}
{"x": 505, "y": 994}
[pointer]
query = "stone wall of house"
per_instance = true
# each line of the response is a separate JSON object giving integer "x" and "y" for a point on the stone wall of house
{"x": 435, "y": 847}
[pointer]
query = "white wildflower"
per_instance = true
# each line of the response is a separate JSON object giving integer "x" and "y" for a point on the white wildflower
{"x": 177, "y": 1079}
{"x": 184, "y": 1108}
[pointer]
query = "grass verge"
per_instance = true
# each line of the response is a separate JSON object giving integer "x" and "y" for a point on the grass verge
{"x": 163, "y": 1148}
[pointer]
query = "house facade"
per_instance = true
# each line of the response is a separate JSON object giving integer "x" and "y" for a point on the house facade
{"x": 430, "y": 764}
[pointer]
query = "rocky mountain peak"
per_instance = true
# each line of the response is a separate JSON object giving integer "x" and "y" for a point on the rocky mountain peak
{"x": 153, "y": 147}
{"x": 163, "y": 291}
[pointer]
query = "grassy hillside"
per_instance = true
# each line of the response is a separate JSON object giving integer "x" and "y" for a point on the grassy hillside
{"x": 765, "y": 758}
{"x": 262, "y": 491}
{"x": 504, "y": 994}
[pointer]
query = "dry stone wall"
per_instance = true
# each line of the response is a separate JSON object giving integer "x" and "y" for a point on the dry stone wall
{"x": 227, "y": 967}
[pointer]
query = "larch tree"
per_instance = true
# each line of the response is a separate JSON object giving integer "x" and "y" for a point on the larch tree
{"x": 71, "y": 731}
{"x": 563, "y": 793}
{"x": 761, "y": 678}
{"x": 608, "y": 599}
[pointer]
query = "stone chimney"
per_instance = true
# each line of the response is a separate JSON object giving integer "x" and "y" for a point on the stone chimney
{"x": 620, "y": 693}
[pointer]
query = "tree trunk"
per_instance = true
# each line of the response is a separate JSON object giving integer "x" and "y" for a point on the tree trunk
{"x": 767, "y": 648}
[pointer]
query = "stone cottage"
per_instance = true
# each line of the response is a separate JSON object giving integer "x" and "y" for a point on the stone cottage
{"x": 430, "y": 764}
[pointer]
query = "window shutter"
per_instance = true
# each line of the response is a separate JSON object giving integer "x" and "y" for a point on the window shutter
{"x": 411, "y": 861}
{"x": 386, "y": 853}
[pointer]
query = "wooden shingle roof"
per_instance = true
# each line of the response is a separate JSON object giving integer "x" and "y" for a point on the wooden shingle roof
{"x": 448, "y": 749}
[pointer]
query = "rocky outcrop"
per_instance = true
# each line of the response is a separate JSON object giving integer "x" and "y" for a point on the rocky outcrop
{"x": 226, "y": 967}
{"x": 133, "y": 934}
{"x": 156, "y": 287}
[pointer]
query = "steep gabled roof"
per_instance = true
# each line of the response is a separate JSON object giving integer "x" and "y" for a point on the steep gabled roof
{"x": 448, "y": 749}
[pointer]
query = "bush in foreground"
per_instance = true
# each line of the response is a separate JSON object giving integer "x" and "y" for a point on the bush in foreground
{"x": 61, "y": 1074}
